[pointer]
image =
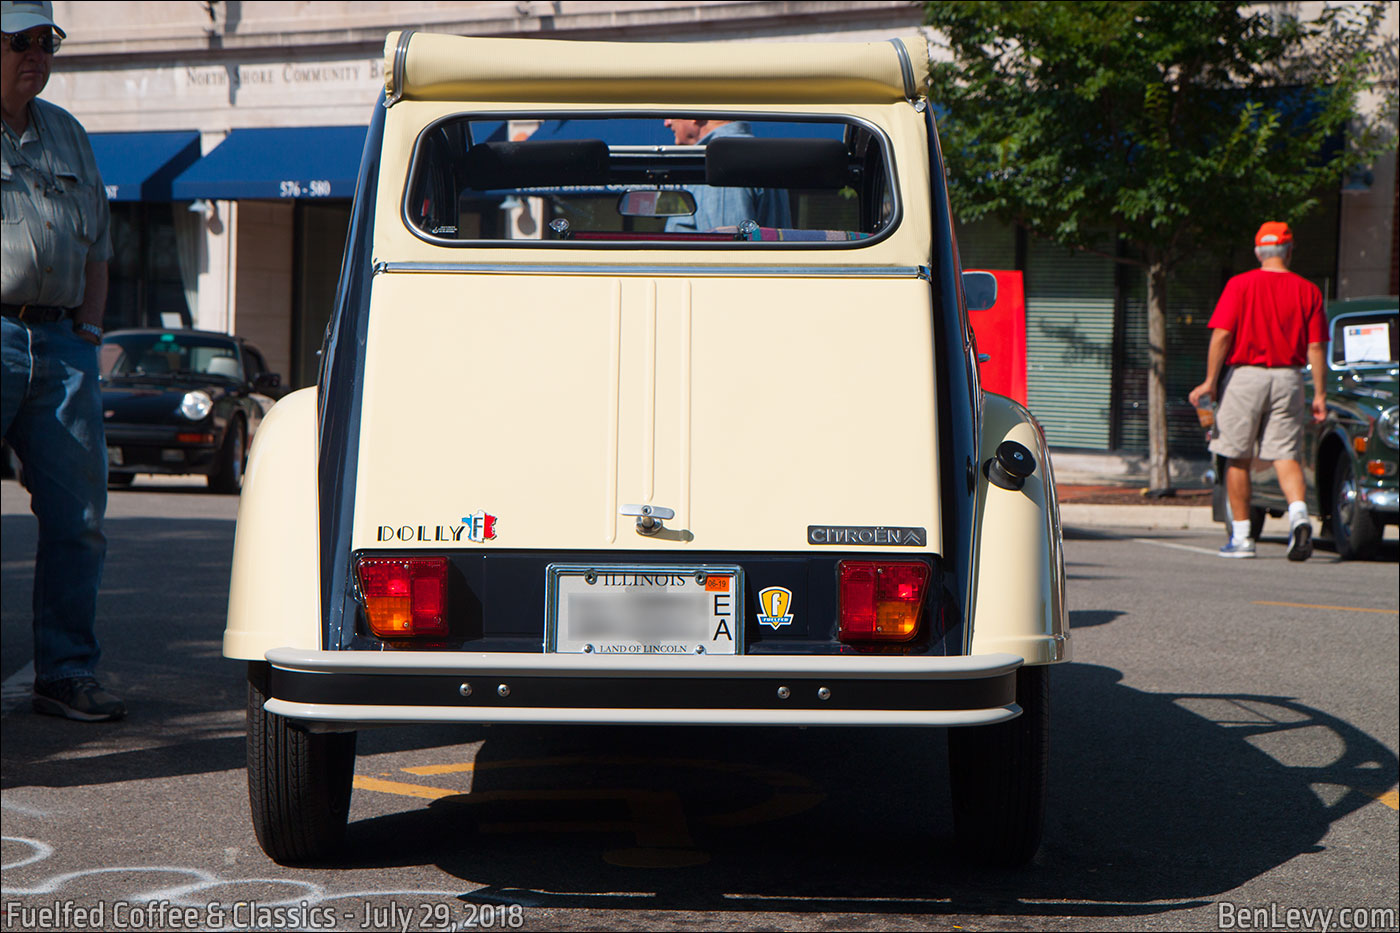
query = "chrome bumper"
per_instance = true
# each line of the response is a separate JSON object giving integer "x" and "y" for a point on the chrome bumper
{"x": 364, "y": 687}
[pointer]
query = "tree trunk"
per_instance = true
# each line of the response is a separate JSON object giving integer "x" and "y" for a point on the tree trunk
{"x": 1158, "y": 468}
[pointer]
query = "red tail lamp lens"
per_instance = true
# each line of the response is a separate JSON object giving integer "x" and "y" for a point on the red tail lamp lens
{"x": 881, "y": 600}
{"x": 405, "y": 597}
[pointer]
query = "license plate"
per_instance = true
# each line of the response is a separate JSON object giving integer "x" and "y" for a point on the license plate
{"x": 114, "y": 456}
{"x": 618, "y": 609}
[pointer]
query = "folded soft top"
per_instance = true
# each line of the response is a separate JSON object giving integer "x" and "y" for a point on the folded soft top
{"x": 426, "y": 66}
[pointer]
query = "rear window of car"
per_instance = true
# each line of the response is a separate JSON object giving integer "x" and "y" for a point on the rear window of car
{"x": 157, "y": 354}
{"x": 684, "y": 180}
{"x": 1366, "y": 339}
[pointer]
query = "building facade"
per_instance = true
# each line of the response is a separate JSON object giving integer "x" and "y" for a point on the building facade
{"x": 229, "y": 137}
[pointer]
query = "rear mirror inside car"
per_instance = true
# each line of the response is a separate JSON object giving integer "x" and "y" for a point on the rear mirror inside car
{"x": 979, "y": 290}
{"x": 653, "y": 202}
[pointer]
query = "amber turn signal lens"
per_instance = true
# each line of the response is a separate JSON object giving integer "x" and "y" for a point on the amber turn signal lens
{"x": 1379, "y": 468}
{"x": 405, "y": 597}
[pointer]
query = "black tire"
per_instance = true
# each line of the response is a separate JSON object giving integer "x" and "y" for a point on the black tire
{"x": 998, "y": 778}
{"x": 1355, "y": 530}
{"x": 227, "y": 477}
{"x": 120, "y": 479}
{"x": 298, "y": 785}
{"x": 1256, "y": 522}
{"x": 1257, "y": 514}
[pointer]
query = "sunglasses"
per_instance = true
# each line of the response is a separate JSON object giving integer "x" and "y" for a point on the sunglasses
{"x": 20, "y": 42}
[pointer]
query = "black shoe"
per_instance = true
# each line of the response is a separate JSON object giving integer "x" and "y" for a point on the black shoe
{"x": 80, "y": 698}
{"x": 1300, "y": 541}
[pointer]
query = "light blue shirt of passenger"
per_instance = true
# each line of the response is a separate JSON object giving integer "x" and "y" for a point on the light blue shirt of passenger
{"x": 729, "y": 207}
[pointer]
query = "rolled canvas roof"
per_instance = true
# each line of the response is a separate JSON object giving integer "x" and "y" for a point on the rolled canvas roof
{"x": 426, "y": 66}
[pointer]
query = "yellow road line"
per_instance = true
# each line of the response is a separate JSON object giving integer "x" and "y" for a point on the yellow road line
{"x": 402, "y": 788}
{"x": 1389, "y": 612}
{"x": 442, "y": 769}
{"x": 1390, "y": 798}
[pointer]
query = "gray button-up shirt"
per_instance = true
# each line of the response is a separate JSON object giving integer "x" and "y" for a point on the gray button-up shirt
{"x": 54, "y": 217}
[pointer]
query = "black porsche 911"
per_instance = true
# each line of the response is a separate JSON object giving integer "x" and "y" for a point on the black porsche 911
{"x": 182, "y": 402}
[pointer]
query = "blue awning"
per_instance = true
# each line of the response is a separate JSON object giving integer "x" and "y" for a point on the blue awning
{"x": 293, "y": 162}
{"x": 140, "y": 166}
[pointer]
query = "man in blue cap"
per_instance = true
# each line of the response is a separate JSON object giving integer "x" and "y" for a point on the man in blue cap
{"x": 53, "y": 286}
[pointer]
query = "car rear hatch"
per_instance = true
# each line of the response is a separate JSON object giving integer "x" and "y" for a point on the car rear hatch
{"x": 526, "y": 411}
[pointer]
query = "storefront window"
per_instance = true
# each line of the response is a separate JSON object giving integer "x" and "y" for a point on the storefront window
{"x": 145, "y": 287}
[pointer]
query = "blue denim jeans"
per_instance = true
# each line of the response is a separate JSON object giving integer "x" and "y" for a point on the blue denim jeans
{"x": 51, "y": 412}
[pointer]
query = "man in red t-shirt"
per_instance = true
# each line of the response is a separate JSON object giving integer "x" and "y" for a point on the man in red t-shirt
{"x": 1268, "y": 324}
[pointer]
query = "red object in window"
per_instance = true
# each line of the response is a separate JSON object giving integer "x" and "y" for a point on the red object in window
{"x": 1001, "y": 335}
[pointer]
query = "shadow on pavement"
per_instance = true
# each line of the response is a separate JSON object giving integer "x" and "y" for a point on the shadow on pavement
{"x": 1154, "y": 798}
{"x": 160, "y": 623}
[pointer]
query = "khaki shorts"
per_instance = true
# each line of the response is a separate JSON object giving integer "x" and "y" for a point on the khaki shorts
{"x": 1261, "y": 414}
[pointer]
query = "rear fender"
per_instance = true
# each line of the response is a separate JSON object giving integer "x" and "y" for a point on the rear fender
{"x": 274, "y": 595}
{"x": 1020, "y": 598}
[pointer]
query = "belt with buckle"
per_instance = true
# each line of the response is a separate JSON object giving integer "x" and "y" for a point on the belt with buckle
{"x": 36, "y": 314}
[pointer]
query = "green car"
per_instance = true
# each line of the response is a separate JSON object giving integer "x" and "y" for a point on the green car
{"x": 1349, "y": 460}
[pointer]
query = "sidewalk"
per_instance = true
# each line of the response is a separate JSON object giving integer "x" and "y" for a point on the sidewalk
{"x": 1096, "y": 506}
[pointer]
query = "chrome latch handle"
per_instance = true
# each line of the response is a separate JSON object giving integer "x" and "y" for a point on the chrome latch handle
{"x": 649, "y": 517}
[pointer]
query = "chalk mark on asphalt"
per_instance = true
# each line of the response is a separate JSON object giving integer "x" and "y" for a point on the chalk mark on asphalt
{"x": 189, "y": 894}
{"x": 1178, "y": 547}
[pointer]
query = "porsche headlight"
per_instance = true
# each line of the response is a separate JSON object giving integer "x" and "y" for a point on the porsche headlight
{"x": 196, "y": 405}
{"x": 1388, "y": 427}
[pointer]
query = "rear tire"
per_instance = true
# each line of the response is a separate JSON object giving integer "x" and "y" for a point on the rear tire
{"x": 1355, "y": 530}
{"x": 298, "y": 784}
{"x": 120, "y": 480}
{"x": 228, "y": 476}
{"x": 998, "y": 778}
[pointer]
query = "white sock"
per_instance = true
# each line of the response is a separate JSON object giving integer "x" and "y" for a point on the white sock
{"x": 1297, "y": 513}
{"x": 1239, "y": 531}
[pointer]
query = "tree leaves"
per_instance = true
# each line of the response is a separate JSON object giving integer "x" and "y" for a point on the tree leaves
{"x": 1175, "y": 124}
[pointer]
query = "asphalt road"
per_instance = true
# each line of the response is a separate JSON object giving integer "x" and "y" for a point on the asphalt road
{"x": 1224, "y": 741}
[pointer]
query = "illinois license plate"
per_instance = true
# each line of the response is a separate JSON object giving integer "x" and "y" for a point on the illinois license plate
{"x": 619, "y": 609}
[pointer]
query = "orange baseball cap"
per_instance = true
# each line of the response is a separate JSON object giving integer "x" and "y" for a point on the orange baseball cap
{"x": 1273, "y": 233}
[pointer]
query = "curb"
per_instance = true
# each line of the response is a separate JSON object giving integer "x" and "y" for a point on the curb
{"x": 1155, "y": 517}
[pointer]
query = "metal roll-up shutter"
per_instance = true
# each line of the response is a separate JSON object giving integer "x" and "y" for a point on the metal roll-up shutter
{"x": 1069, "y": 343}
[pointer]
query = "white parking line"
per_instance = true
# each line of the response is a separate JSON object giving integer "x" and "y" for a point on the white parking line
{"x": 1179, "y": 547}
{"x": 16, "y": 688}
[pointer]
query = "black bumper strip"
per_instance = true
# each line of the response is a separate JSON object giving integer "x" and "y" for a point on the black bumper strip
{"x": 511, "y": 690}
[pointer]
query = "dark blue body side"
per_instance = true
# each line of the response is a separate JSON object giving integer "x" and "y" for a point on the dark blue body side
{"x": 959, "y": 399}
{"x": 340, "y": 388}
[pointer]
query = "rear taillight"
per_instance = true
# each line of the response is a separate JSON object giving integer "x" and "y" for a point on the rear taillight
{"x": 881, "y": 600}
{"x": 404, "y": 597}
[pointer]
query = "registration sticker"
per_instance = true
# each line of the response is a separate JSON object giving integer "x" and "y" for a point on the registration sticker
{"x": 643, "y": 609}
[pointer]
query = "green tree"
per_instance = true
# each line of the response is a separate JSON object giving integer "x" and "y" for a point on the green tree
{"x": 1175, "y": 127}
